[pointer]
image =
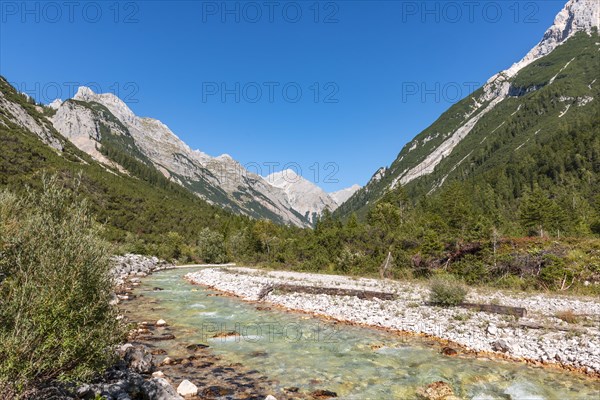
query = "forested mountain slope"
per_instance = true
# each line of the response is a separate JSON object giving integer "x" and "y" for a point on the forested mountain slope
{"x": 533, "y": 125}
{"x": 133, "y": 198}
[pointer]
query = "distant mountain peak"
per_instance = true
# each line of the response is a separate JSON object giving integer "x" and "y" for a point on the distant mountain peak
{"x": 306, "y": 197}
{"x": 342, "y": 195}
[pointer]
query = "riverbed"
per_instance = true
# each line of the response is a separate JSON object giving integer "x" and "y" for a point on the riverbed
{"x": 309, "y": 353}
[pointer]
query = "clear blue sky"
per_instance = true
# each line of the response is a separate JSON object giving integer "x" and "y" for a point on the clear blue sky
{"x": 171, "y": 60}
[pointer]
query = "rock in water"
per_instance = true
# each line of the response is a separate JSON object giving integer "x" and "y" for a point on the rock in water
{"x": 269, "y": 397}
{"x": 168, "y": 361}
{"x": 437, "y": 391}
{"x": 216, "y": 392}
{"x": 449, "y": 351}
{"x": 187, "y": 388}
{"x": 161, "y": 322}
{"x": 323, "y": 394}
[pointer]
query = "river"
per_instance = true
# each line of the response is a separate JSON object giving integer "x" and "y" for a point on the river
{"x": 297, "y": 350}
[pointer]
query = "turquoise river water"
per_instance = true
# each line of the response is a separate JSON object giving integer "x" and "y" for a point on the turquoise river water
{"x": 294, "y": 349}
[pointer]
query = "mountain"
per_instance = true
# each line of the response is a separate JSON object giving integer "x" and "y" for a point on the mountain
{"x": 102, "y": 124}
{"x": 534, "y": 123}
{"x": 342, "y": 195}
{"x": 304, "y": 196}
{"x": 132, "y": 199}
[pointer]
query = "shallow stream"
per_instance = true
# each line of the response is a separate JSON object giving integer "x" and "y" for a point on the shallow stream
{"x": 297, "y": 350}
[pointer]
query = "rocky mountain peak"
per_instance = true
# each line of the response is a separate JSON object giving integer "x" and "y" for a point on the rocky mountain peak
{"x": 55, "y": 104}
{"x": 342, "y": 195}
{"x": 576, "y": 16}
{"x": 284, "y": 178}
{"x": 114, "y": 104}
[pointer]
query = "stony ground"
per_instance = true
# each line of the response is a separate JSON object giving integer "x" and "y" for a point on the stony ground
{"x": 539, "y": 337}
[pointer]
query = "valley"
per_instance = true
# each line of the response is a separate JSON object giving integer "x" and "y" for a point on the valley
{"x": 136, "y": 266}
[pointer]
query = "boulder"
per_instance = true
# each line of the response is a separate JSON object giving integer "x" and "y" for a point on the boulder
{"x": 501, "y": 346}
{"x": 138, "y": 358}
{"x": 160, "y": 389}
{"x": 187, "y": 388}
{"x": 161, "y": 322}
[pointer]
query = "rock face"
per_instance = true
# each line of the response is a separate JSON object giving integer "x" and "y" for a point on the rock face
{"x": 77, "y": 123}
{"x": 19, "y": 116}
{"x": 576, "y": 16}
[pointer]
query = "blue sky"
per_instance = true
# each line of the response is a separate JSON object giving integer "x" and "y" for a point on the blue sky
{"x": 333, "y": 87}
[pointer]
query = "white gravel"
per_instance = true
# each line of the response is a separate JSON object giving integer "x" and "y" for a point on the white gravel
{"x": 576, "y": 345}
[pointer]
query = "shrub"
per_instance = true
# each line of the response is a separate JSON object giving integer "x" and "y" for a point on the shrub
{"x": 446, "y": 291}
{"x": 568, "y": 316}
{"x": 55, "y": 290}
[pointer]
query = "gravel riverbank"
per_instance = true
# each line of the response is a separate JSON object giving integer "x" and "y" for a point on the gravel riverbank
{"x": 540, "y": 337}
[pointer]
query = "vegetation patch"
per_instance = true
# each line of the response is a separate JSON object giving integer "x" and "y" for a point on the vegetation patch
{"x": 55, "y": 291}
{"x": 446, "y": 291}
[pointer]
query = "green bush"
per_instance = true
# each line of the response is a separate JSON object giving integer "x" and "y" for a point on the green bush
{"x": 446, "y": 291}
{"x": 55, "y": 289}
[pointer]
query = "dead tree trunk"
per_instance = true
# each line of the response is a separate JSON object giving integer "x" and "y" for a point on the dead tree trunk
{"x": 385, "y": 269}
